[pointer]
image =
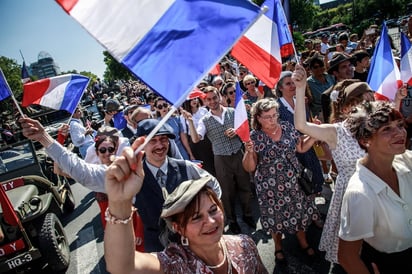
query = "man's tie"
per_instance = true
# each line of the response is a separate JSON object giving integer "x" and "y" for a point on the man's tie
{"x": 160, "y": 178}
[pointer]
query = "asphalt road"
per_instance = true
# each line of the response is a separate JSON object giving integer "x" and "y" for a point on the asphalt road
{"x": 85, "y": 236}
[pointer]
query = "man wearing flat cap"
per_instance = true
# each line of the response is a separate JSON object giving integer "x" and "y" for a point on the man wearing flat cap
{"x": 341, "y": 67}
{"x": 162, "y": 175}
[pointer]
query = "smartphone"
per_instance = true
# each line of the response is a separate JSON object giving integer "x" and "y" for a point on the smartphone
{"x": 370, "y": 31}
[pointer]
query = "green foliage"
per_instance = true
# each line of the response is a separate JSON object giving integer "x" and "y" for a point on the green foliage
{"x": 115, "y": 70}
{"x": 12, "y": 71}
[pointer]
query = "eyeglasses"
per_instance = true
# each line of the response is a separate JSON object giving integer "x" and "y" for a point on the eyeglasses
{"x": 103, "y": 150}
{"x": 270, "y": 117}
{"x": 160, "y": 107}
{"x": 249, "y": 83}
{"x": 230, "y": 92}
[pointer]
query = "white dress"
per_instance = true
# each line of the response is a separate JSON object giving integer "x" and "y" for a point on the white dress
{"x": 345, "y": 155}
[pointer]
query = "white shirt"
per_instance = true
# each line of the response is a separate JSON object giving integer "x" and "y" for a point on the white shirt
{"x": 372, "y": 211}
{"x": 201, "y": 128}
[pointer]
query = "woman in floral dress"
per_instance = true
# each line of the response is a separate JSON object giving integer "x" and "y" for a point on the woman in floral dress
{"x": 345, "y": 149}
{"x": 271, "y": 153}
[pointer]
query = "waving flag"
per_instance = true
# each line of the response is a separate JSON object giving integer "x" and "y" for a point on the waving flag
{"x": 4, "y": 87}
{"x": 170, "y": 44}
{"x": 406, "y": 59}
{"x": 384, "y": 75}
{"x": 60, "y": 92}
{"x": 25, "y": 76}
{"x": 241, "y": 121}
{"x": 262, "y": 46}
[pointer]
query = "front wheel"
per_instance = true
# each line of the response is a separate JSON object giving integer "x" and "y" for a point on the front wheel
{"x": 53, "y": 243}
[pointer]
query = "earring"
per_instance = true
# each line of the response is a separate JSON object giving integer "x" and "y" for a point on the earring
{"x": 184, "y": 241}
{"x": 367, "y": 144}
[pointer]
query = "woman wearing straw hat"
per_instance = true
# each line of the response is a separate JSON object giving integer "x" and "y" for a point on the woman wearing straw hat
{"x": 193, "y": 212}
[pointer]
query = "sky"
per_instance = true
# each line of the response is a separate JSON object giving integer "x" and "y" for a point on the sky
{"x": 33, "y": 26}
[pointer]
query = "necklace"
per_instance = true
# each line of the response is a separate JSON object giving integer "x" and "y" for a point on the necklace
{"x": 223, "y": 246}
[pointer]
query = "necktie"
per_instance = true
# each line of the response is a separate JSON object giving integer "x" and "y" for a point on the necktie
{"x": 159, "y": 178}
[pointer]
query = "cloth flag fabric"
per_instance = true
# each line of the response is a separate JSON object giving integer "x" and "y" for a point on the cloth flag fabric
{"x": 4, "y": 87}
{"x": 170, "y": 44}
{"x": 62, "y": 92}
{"x": 384, "y": 76}
{"x": 262, "y": 47}
{"x": 9, "y": 214}
{"x": 406, "y": 59}
{"x": 25, "y": 76}
{"x": 241, "y": 121}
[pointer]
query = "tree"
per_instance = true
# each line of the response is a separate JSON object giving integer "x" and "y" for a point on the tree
{"x": 12, "y": 71}
{"x": 115, "y": 70}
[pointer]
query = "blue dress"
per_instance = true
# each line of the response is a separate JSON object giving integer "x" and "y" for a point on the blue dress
{"x": 307, "y": 159}
{"x": 175, "y": 123}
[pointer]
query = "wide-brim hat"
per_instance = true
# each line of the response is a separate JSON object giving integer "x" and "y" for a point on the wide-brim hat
{"x": 147, "y": 125}
{"x": 337, "y": 59}
{"x": 177, "y": 201}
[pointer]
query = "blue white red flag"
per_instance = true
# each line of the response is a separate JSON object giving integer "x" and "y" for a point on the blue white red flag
{"x": 4, "y": 87}
{"x": 241, "y": 121}
{"x": 262, "y": 47}
{"x": 384, "y": 76}
{"x": 25, "y": 76}
{"x": 170, "y": 44}
{"x": 60, "y": 92}
{"x": 119, "y": 120}
{"x": 406, "y": 59}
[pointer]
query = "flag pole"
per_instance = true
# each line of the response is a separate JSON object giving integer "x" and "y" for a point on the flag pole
{"x": 12, "y": 95}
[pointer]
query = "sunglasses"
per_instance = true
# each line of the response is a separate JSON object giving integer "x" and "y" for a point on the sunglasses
{"x": 103, "y": 150}
{"x": 230, "y": 92}
{"x": 160, "y": 107}
{"x": 249, "y": 83}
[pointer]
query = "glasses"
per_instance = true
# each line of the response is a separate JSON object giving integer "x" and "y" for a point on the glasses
{"x": 270, "y": 117}
{"x": 160, "y": 107}
{"x": 249, "y": 83}
{"x": 230, "y": 92}
{"x": 103, "y": 150}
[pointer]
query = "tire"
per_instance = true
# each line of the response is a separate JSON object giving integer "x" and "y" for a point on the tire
{"x": 53, "y": 243}
{"x": 69, "y": 202}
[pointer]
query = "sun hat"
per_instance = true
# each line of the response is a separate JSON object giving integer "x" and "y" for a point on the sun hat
{"x": 337, "y": 59}
{"x": 183, "y": 194}
{"x": 147, "y": 125}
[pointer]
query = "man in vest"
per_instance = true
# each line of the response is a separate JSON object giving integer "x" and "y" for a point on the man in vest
{"x": 162, "y": 173}
{"x": 218, "y": 125}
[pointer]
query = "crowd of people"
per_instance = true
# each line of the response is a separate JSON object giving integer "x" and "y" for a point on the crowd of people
{"x": 177, "y": 198}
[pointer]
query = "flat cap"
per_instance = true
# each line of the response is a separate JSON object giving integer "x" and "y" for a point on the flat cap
{"x": 184, "y": 193}
{"x": 146, "y": 126}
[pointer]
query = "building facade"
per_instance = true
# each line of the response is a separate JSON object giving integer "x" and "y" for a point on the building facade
{"x": 45, "y": 66}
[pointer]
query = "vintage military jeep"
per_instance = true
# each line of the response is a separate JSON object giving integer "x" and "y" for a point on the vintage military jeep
{"x": 32, "y": 198}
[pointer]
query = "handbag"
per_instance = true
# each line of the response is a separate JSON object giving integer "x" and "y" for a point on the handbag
{"x": 305, "y": 181}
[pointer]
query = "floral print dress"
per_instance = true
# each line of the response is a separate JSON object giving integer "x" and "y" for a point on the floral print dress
{"x": 284, "y": 207}
{"x": 345, "y": 155}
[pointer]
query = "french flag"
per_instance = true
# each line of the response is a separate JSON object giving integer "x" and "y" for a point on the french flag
{"x": 384, "y": 76}
{"x": 170, "y": 44}
{"x": 262, "y": 47}
{"x": 62, "y": 92}
{"x": 406, "y": 59}
{"x": 4, "y": 87}
{"x": 241, "y": 121}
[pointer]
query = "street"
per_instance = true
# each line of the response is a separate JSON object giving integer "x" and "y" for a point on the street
{"x": 85, "y": 236}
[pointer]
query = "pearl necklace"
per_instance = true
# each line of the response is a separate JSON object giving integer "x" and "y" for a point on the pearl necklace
{"x": 225, "y": 257}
